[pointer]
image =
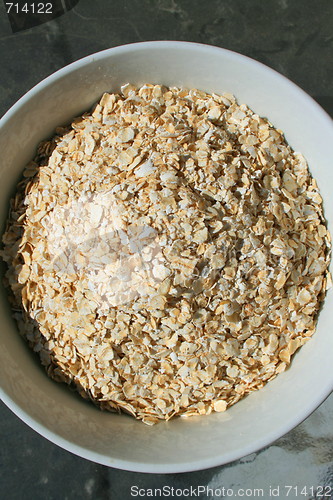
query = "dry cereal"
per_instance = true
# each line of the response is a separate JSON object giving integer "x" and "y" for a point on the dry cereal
{"x": 167, "y": 253}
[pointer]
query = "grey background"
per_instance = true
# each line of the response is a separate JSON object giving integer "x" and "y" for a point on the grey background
{"x": 295, "y": 37}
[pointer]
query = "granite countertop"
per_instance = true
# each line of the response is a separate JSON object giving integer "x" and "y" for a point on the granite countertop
{"x": 295, "y": 37}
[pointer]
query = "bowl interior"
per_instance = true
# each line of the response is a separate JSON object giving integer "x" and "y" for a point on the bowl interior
{"x": 181, "y": 444}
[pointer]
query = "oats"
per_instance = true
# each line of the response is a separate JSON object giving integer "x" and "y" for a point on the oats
{"x": 281, "y": 279}
{"x": 160, "y": 271}
{"x": 125, "y": 135}
{"x": 220, "y": 405}
{"x": 145, "y": 169}
{"x": 328, "y": 281}
{"x": 303, "y": 297}
{"x": 89, "y": 145}
{"x": 167, "y": 253}
{"x": 157, "y": 302}
{"x": 200, "y": 236}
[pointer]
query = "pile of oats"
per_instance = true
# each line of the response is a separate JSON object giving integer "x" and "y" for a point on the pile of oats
{"x": 167, "y": 253}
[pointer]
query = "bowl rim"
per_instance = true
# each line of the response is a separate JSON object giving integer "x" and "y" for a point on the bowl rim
{"x": 196, "y": 464}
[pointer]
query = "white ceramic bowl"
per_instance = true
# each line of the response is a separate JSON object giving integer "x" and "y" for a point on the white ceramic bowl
{"x": 181, "y": 444}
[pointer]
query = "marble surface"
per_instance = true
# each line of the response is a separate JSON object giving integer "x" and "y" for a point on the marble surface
{"x": 295, "y": 37}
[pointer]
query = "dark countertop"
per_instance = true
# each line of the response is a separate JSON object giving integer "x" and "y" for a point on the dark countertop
{"x": 295, "y": 37}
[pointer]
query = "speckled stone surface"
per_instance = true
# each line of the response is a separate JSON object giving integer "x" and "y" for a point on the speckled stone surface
{"x": 295, "y": 37}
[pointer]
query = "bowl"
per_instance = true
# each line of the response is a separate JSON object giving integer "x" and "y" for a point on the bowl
{"x": 195, "y": 443}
